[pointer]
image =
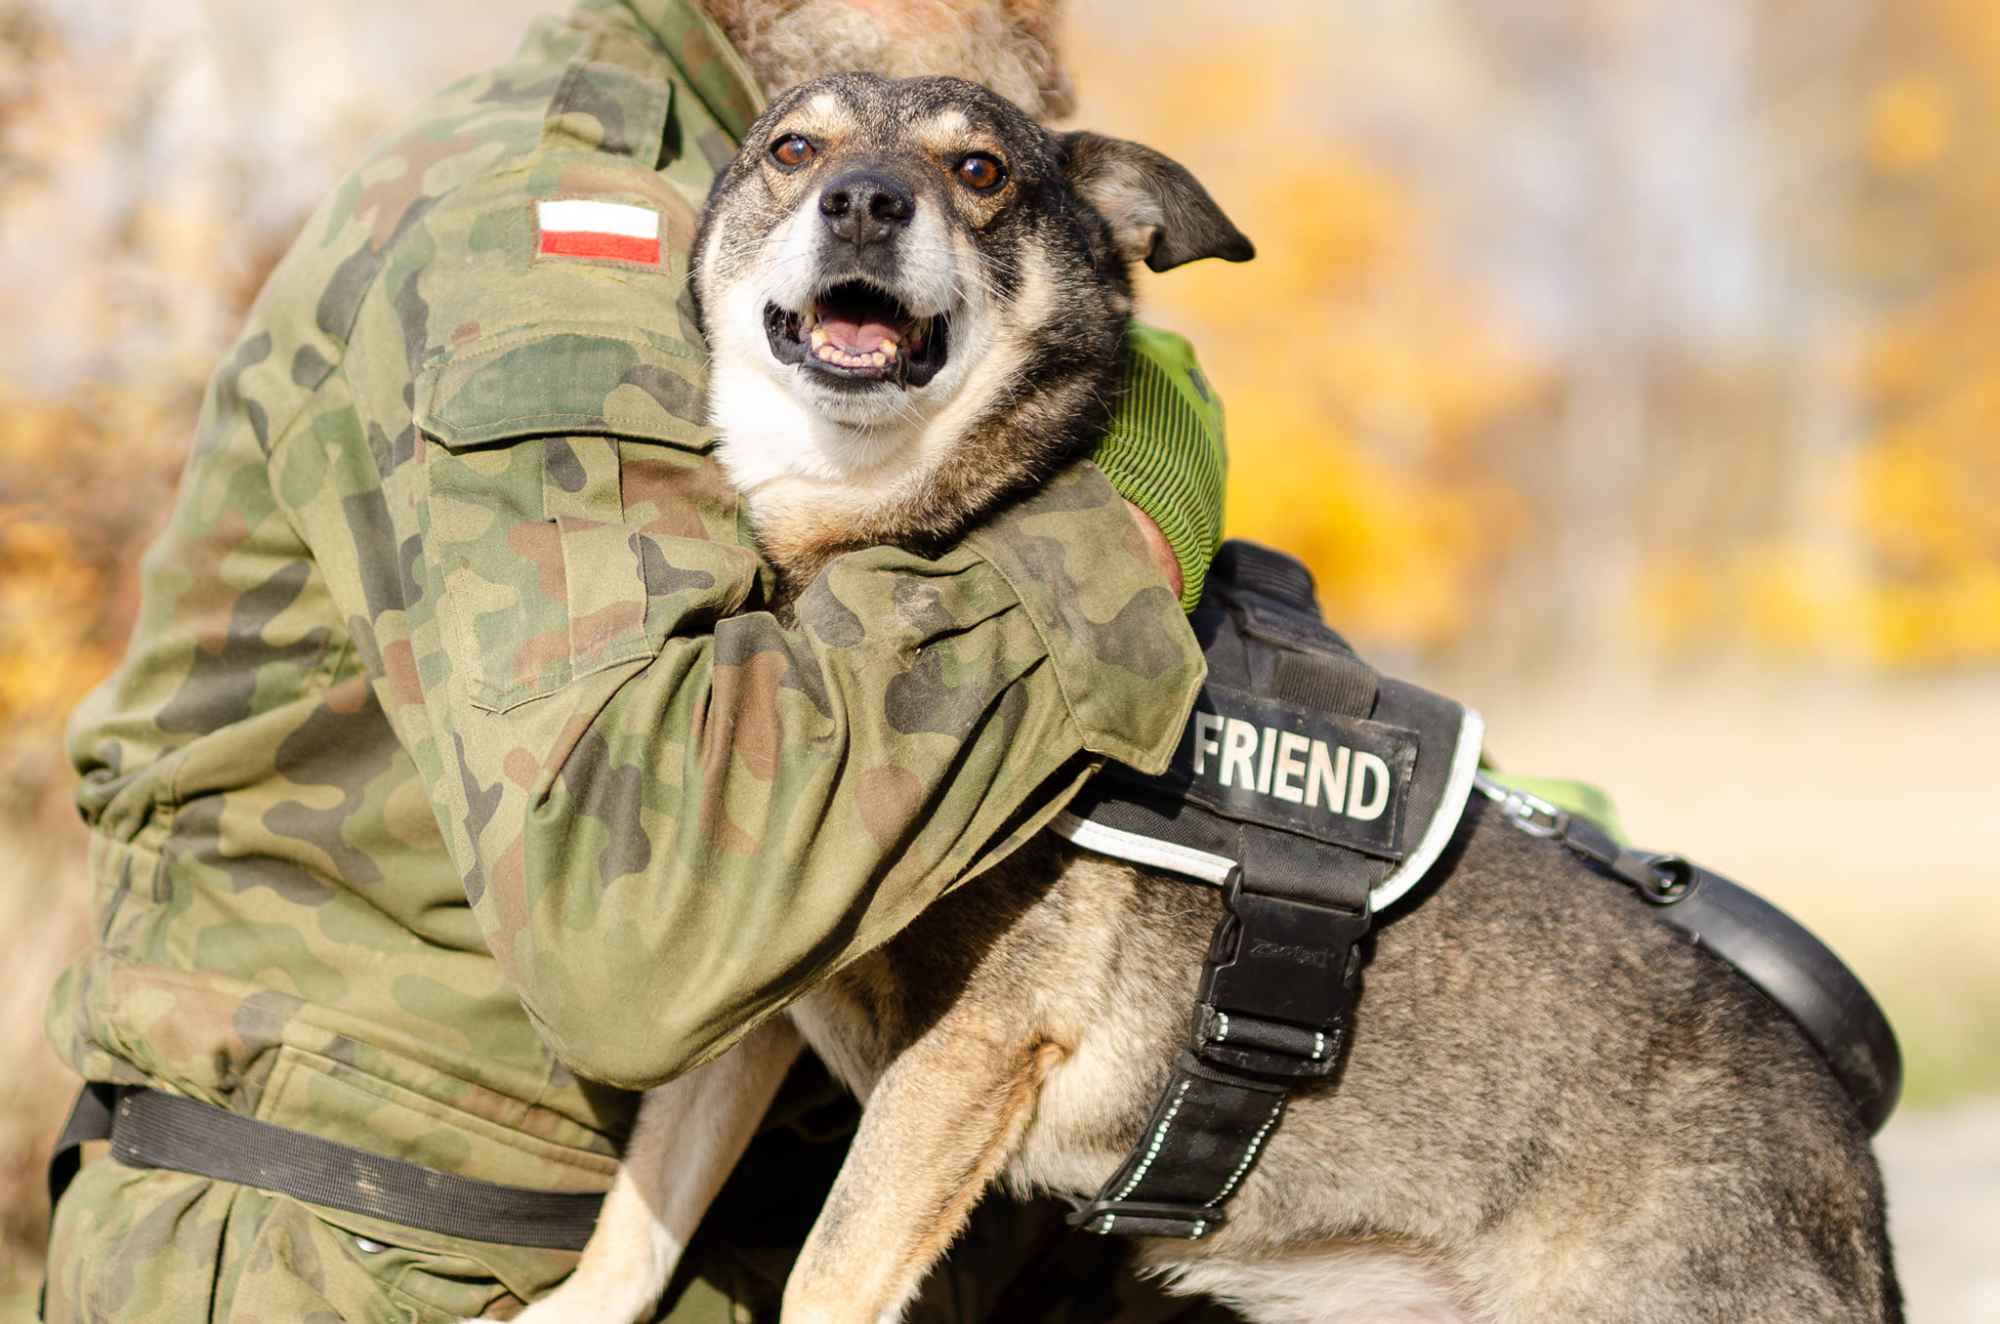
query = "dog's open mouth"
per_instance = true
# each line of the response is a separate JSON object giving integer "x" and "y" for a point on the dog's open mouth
{"x": 856, "y": 332}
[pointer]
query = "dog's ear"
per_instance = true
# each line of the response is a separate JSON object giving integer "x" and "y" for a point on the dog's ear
{"x": 1156, "y": 209}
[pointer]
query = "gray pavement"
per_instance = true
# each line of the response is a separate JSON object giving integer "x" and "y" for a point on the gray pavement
{"x": 1943, "y": 1173}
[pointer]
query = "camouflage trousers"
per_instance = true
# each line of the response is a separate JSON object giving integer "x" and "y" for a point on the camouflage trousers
{"x": 137, "y": 1246}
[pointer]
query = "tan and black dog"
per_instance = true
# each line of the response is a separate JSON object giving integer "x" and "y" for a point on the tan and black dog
{"x": 1553, "y": 1107}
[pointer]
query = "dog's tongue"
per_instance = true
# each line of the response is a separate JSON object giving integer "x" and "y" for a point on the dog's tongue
{"x": 856, "y": 335}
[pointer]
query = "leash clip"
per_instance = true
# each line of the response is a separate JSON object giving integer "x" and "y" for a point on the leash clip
{"x": 1530, "y": 813}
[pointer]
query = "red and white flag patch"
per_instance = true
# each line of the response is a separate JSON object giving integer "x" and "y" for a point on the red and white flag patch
{"x": 584, "y": 227}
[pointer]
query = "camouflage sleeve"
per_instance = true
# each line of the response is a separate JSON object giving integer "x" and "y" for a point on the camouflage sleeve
{"x": 671, "y": 812}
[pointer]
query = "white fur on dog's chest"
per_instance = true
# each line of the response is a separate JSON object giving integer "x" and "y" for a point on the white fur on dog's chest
{"x": 771, "y": 434}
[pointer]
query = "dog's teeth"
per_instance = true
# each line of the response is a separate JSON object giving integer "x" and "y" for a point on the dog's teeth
{"x": 887, "y": 352}
{"x": 818, "y": 338}
{"x": 878, "y": 358}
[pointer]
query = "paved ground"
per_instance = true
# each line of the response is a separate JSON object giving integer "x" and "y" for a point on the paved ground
{"x": 1943, "y": 1170}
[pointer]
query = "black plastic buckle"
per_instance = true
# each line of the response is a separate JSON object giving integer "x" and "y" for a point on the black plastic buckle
{"x": 1279, "y": 986}
{"x": 1137, "y": 1218}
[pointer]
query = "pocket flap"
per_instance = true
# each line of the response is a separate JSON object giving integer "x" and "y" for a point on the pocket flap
{"x": 559, "y": 378}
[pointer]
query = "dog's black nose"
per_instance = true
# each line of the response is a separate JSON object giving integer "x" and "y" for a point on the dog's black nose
{"x": 866, "y": 207}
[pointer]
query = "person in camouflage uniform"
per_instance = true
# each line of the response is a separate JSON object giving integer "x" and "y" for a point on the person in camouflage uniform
{"x": 455, "y": 783}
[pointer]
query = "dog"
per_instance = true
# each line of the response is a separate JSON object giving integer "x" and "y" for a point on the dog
{"x": 1552, "y": 1108}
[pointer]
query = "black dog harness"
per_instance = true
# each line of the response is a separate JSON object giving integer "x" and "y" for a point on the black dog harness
{"x": 1316, "y": 793}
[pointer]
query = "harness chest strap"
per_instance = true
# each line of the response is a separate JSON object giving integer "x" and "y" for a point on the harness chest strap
{"x": 1314, "y": 793}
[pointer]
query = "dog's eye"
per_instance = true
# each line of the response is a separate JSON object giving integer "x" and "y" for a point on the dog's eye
{"x": 981, "y": 173}
{"x": 792, "y": 151}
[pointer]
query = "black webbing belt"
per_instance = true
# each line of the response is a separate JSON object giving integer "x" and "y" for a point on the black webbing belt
{"x": 149, "y": 1129}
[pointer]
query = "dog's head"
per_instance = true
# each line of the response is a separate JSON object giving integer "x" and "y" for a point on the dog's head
{"x": 915, "y": 297}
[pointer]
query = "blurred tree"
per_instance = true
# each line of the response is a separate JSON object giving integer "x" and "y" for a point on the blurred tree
{"x": 1883, "y": 550}
{"x": 1601, "y": 329}
{"x": 1369, "y": 384}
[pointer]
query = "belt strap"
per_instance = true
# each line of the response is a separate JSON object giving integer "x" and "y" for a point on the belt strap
{"x": 149, "y": 1129}
{"x": 89, "y": 1119}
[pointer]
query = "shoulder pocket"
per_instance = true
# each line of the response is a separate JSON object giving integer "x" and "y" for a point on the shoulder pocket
{"x": 556, "y": 377}
{"x": 568, "y": 488}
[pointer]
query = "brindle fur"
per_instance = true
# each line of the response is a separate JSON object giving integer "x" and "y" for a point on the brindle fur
{"x": 1553, "y": 1108}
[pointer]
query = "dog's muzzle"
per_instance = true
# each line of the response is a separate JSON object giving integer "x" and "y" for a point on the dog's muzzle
{"x": 854, "y": 332}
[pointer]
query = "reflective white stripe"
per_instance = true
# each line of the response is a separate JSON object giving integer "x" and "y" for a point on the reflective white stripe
{"x": 1214, "y": 869}
{"x": 1154, "y": 854}
{"x": 1159, "y": 1139}
{"x": 1457, "y": 787}
{"x": 566, "y": 215}
{"x": 1250, "y": 1154}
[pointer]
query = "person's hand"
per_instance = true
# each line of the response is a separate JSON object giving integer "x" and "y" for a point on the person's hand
{"x": 1156, "y": 543}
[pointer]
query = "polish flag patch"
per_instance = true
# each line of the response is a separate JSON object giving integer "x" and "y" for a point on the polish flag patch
{"x": 583, "y": 227}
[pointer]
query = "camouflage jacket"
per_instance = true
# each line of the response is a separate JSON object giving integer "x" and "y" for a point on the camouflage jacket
{"x": 454, "y": 650}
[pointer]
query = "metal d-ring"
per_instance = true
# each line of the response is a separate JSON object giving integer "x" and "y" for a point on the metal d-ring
{"x": 1530, "y": 813}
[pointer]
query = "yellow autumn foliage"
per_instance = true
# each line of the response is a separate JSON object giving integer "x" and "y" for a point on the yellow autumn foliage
{"x": 1901, "y": 567}
{"x": 1909, "y": 125}
{"x": 83, "y": 482}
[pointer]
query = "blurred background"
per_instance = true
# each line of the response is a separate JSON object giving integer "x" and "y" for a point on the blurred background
{"x": 1630, "y": 368}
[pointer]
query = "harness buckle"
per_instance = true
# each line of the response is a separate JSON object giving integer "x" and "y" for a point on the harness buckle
{"x": 1279, "y": 985}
